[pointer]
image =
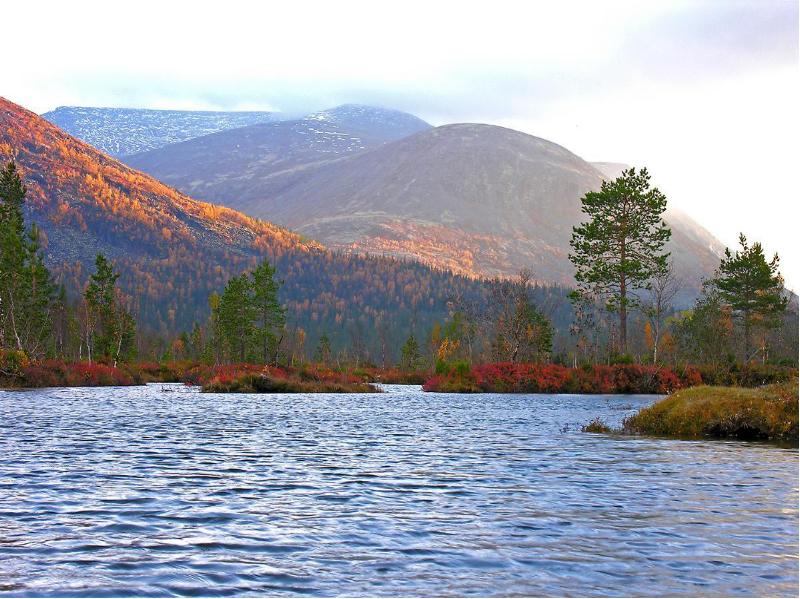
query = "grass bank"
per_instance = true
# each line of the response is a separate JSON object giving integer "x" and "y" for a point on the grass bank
{"x": 767, "y": 413}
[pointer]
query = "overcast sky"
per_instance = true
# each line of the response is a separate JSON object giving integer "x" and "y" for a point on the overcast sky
{"x": 704, "y": 94}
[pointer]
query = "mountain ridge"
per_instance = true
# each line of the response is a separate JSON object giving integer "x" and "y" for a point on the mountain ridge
{"x": 173, "y": 251}
{"x": 477, "y": 199}
{"x": 121, "y": 131}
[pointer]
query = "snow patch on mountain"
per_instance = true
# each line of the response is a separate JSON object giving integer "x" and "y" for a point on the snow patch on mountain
{"x": 122, "y": 131}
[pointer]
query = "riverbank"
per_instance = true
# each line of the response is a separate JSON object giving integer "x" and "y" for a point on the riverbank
{"x": 767, "y": 413}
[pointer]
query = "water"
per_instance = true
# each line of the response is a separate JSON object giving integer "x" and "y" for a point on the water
{"x": 133, "y": 491}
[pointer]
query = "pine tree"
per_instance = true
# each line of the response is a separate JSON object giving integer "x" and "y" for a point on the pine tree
{"x": 27, "y": 293}
{"x": 236, "y": 316}
{"x": 410, "y": 357}
{"x": 620, "y": 248}
{"x": 323, "y": 351}
{"x": 269, "y": 314}
{"x": 753, "y": 288}
{"x": 110, "y": 328}
{"x": 213, "y": 352}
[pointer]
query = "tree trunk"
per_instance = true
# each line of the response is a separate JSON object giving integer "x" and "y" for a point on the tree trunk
{"x": 746, "y": 336}
{"x": 655, "y": 340}
{"x": 623, "y": 317}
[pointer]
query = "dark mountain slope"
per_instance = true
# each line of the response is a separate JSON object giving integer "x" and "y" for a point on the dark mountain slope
{"x": 246, "y": 166}
{"x": 119, "y": 131}
{"x": 173, "y": 251}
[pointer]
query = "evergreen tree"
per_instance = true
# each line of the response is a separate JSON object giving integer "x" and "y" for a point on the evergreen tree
{"x": 269, "y": 314}
{"x": 214, "y": 350}
{"x": 236, "y": 317}
{"x": 410, "y": 356}
{"x": 110, "y": 328}
{"x": 620, "y": 248}
{"x": 753, "y": 288}
{"x": 323, "y": 351}
{"x": 27, "y": 293}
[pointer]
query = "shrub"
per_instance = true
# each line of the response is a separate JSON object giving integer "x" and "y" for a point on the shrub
{"x": 596, "y": 426}
{"x": 12, "y": 362}
{"x": 509, "y": 377}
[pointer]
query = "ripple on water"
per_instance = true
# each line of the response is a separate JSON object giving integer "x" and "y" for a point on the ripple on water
{"x": 134, "y": 492}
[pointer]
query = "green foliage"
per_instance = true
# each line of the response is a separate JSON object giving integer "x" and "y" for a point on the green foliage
{"x": 753, "y": 288}
{"x": 270, "y": 316}
{"x": 248, "y": 318}
{"x": 111, "y": 329}
{"x": 236, "y": 317}
{"x": 705, "y": 333}
{"x": 11, "y": 362}
{"x": 620, "y": 248}
{"x": 27, "y": 293}
{"x": 323, "y": 352}
{"x": 410, "y": 356}
{"x": 621, "y": 359}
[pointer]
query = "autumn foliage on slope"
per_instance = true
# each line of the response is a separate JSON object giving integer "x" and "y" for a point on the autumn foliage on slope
{"x": 173, "y": 251}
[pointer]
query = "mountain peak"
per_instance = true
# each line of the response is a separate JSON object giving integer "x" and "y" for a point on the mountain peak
{"x": 364, "y": 116}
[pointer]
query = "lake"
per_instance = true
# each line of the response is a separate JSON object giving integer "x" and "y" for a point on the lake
{"x": 137, "y": 491}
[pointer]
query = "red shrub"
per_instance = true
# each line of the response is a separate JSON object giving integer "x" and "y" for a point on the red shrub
{"x": 553, "y": 378}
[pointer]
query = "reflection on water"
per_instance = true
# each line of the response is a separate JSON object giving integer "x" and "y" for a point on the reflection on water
{"x": 133, "y": 491}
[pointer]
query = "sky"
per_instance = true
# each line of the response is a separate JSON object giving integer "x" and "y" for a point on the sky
{"x": 702, "y": 93}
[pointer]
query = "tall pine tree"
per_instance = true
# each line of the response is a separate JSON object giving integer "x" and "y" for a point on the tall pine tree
{"x": 269, "y": 314}
{"x": 236, "y": 317}
{"x": 621, "y": 247}
{"x": 753, "y": 288}
{"x": 27, "y": 293}
{"x": 110, "y": 328}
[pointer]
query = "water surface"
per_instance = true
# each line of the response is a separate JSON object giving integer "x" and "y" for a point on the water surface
{"x": 134, "y": 491}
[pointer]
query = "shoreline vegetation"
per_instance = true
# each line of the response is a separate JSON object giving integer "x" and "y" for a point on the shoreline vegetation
{"x": 596, "y": 379}
{"x": 768, "y": 413}
{"x": 17, "y": 372}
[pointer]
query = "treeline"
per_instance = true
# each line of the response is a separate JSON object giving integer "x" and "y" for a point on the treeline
{"x": 37, "y": 320}
{"x": 355, "y": 311}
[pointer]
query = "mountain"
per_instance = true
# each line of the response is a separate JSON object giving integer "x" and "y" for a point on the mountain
{"x": 173, "y": 251}
{"x": 477, "y": 199}
{"x": 249, "y": 165}
{"x": 610, "y": 170}
{"x": 120, "y": 131}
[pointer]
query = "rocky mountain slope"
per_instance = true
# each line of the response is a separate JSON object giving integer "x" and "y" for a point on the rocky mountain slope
{"x": 247, "y": 166}
{"x": 173, "y": 251}
{"x": 120, "y": 131}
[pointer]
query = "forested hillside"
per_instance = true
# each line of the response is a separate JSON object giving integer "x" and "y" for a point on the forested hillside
{"x": 173, "y": 252}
